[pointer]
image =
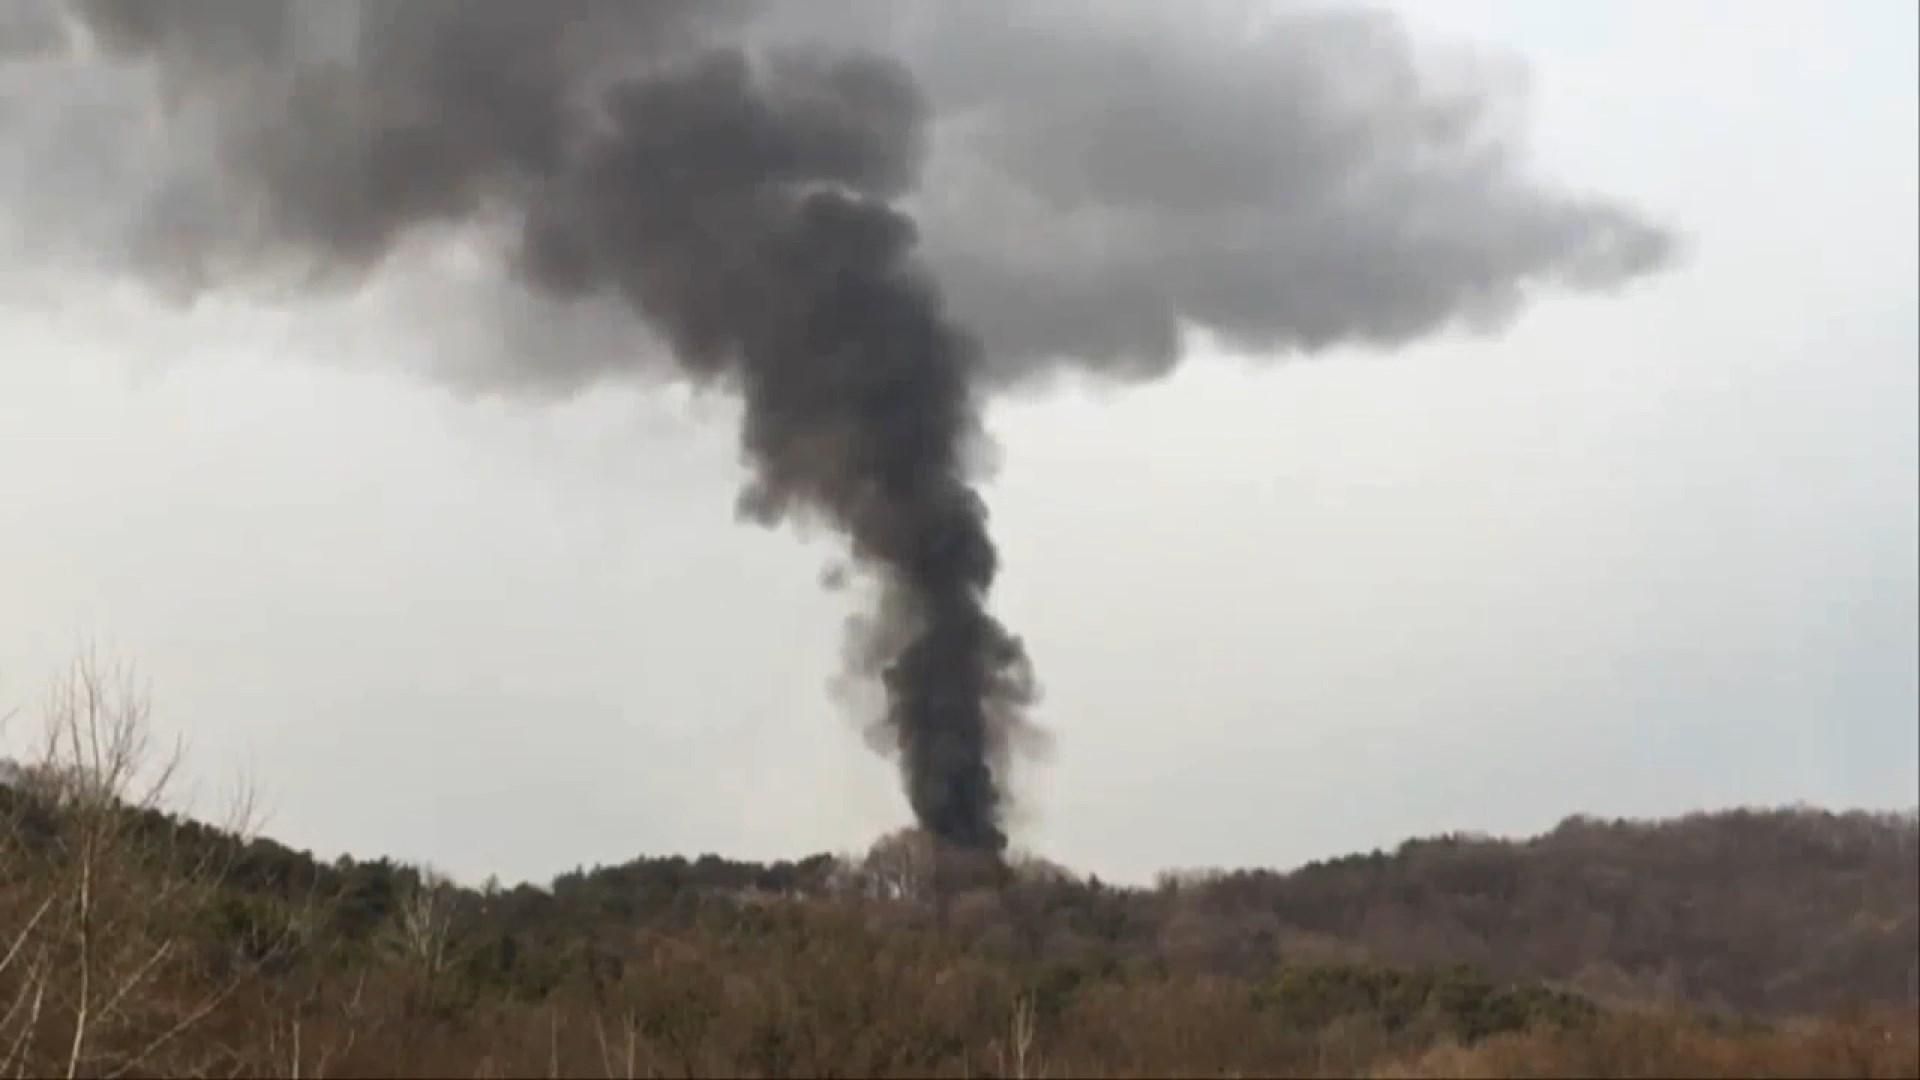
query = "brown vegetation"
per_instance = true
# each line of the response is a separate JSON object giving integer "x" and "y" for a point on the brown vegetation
{"x": 133, "y": 942}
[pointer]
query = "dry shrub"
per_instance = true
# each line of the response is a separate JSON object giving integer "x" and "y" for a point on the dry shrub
{"x": 1884, "y": 1043}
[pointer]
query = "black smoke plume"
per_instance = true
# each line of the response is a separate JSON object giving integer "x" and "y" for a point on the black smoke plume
{"x": 774, "y": 192}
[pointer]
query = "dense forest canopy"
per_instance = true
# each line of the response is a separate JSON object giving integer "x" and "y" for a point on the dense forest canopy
{"x": 1745, "y": 942}
{"x": 1750, "y": 910}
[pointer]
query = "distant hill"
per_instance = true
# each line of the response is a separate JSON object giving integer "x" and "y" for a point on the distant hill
{"x": 1767, "y": 911}
{"x": 1696, "y": 945}
{"x": 1757, "y": 910}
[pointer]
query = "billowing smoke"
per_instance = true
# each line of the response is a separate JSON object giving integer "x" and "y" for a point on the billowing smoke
{"x": 783, "y": 196}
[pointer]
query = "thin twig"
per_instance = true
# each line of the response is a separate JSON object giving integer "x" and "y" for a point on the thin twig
{"x": 25, "y": 932}
{"x": 16, "y": 1054}
{"x": 186, "y": 1022}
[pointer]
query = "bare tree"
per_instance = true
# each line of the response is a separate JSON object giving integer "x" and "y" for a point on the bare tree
{"x": 423, "y": 929}
{"x": 99, "y": 890}
{"x": 1014, "y": 1056}
{"x": 900, "y": 866}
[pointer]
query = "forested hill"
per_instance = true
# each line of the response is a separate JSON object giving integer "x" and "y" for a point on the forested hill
{"x": 134, "y": 942}
{"x": 1749, "y": 910}
{"x": 1756, "y": 911}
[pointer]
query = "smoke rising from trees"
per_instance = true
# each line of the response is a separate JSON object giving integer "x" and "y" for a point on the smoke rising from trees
{"x": 858, "y": 216}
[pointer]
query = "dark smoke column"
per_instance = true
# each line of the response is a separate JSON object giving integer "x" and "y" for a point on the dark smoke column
{"x": 739, "y": 202}
{"x": 743, "y": 213}
{"x": 1107, "y": 172}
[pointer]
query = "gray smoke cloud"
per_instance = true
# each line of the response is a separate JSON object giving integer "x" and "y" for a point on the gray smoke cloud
{"x": 857, "y": 215}
{"x": 1289, "y": 177}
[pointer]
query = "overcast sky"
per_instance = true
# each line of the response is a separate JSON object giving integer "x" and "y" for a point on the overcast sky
{"x": 1638, "y": 553}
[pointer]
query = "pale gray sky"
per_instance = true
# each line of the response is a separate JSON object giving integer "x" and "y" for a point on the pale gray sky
{"x": 1637, "y": 554}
